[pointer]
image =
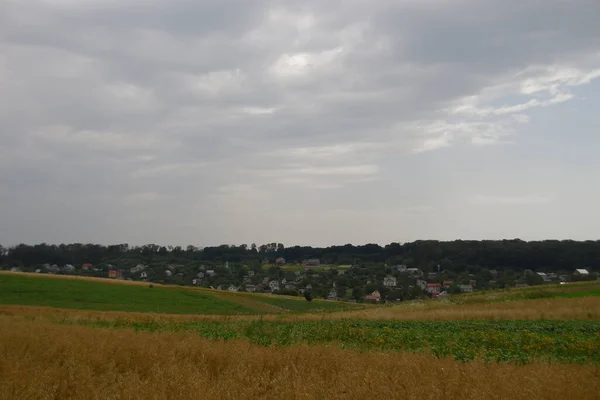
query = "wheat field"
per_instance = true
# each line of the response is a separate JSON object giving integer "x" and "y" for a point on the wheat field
{"x": 41, "y": 360}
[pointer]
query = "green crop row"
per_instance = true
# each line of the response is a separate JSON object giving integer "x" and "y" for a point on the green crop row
{"x": 503, "y": 341}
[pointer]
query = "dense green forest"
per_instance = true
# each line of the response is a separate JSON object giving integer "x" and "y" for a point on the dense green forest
{"x": 458, "y": 255}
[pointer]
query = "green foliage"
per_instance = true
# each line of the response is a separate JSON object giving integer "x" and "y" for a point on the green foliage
{"x": 503, "y": 341}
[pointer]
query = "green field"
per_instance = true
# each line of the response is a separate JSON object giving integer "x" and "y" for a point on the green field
{"x": 503, "y": 341}
{"x": 106, "y": 296}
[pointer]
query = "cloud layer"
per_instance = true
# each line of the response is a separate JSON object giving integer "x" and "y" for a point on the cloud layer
{"x": 226, "y": 121}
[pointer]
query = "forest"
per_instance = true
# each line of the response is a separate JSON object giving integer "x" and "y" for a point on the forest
{"x": 427, "y": 255}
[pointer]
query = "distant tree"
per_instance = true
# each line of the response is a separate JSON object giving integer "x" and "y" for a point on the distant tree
{"x": 308, "y": 295}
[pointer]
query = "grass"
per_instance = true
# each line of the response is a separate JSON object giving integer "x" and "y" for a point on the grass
{"x": 106, "y": 295}
{"x": 40, "y": 360}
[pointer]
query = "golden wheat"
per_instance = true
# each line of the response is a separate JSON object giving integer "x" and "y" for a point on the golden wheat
{"x": 39, "y": 360}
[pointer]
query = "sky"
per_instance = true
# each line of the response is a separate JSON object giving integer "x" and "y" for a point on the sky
{"x": 309, "y": 122}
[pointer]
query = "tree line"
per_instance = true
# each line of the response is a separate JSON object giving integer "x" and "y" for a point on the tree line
{"x": 427, "y": 255}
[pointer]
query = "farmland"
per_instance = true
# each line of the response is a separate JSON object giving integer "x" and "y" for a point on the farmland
{"x": 108, "y": 340}
{"x": 109, "y": 295}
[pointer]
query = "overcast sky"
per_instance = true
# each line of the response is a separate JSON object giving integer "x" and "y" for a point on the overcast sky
{"x": 304, "y": 122}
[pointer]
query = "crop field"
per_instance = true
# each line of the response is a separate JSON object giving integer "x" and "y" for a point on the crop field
{"x": 109, "y": 295}
{"x": 534, "y": 343}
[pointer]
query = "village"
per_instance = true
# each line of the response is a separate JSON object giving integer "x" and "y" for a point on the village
{"x": 352, "y": 283}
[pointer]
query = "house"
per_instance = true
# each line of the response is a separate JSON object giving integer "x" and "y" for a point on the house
{"x": 232, "y": 288}
{"x": 265, "y": 281}
{"x": 311, "y": 262}
{"x": 113, "y": 273}
{"x": 196, "y": 281}
{"x": 414, "y": 272}
{"x": 332, "y": 295}
{"x": 69, "y": 268}
{"x": 247, "y": 279}
{"x": 433, "y": 288}
{"x": 473, "y": 283}
{"x": 86, "y": 266}
{"x": 280, "y": 261}
{"x": 447, "y": 284}
{"x": 200, "y": 275}
{"x": 465, "y": 288}
{"x": 37, "y": 271}
{"x": 168, "y": 273}
{"x": 284, "y": 281}
{"x": 210, "y": 272}
{"x": 431, "y": 275}
{"x": 401, "y": 268}
{"x": 250, "y": 288}
{"x": 552, "y": 276}
{"x": 274, "y": 285}
{"x": 374, "y": 297}
{"x": 581, "y": 272}
{"x": 544, "y": 277}
{"x": 137, "y": 268}
{"x": 250, "y": 273}
{"x": 563, "y": 278}
{"x": 389, "y": 281}
{"x": 144, "y": 275}
{"x": 422, "y": 284}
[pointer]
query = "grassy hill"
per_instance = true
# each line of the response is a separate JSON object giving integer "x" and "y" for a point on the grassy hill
{"x": 109, "y": 295}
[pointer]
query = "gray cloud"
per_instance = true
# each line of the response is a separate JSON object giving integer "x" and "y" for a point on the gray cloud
{"x": 218, "y": 120}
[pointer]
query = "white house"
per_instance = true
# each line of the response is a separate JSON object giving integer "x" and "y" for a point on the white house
{"x": 69, "y": 268}
{"x": 389, "y": 281}
{"x": 581, "y": 272}
{"x": 465, "y": 288}
{"x": 274, "y": 285}
{"x": 332, "y": 295}
{"x": 37, "y": 271}
{"x": 422, "y": 284}
{"x": 232, "y": 288}
{"x": 168, "y": 273}
{"x": 144, "y": 275}
{"x": 544, "y": 277}
{"x": 200, "y": 275}
{"x": 210, "y": 272}
{"x": 401, "y": 268}
{"x": 414, "y": 272}
{"x": 137, "y": 268}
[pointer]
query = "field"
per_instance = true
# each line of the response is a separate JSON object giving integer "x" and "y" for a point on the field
{"x": 114, "y": 295}
{"x": 534, "y": 343}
